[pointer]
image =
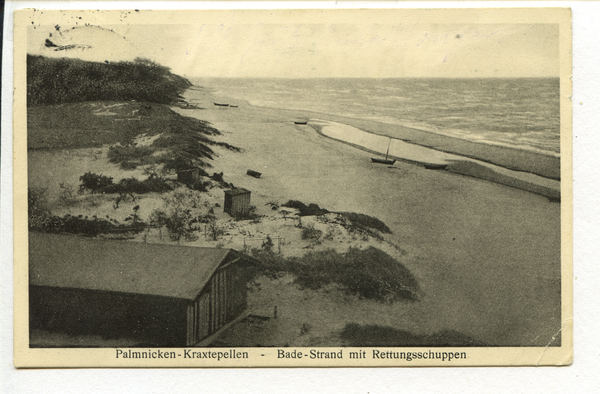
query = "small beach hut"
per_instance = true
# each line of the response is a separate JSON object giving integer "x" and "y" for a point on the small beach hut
{"x": 237, "y": 201}
{"x": 137, "y": 293}
{"x": 188, "y": 176}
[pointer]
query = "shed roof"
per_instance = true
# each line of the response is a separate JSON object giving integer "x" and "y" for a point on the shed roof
{"x": 128, "y": 267}
{"x": 237, "y": 191}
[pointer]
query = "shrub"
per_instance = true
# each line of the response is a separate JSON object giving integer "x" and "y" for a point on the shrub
{"x": 372, "y": 335}
{"x": 129, "y": 165}
{"x": 214, "y": 230}
{"x": 103, "y": 184}
{"x": 95, "y": 182}
{"x": 364, "y": 222}
{"x": 82, "y": 226}
{"x": 129, "y": 157}
{"x": 37, "y": 206}
{"x": 67, "y": 195}
{"x": 310, "y": 210}
{"x": 369, "y": 273}
{"x": 311, "y": 233}
{"x": 176, "y": 221}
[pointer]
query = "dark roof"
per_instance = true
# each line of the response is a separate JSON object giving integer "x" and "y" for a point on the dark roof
{"x": 129, "y": 267}
{"x": 237, "y": 191}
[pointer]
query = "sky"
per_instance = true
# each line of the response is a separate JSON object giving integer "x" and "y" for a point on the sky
{"x": 296, "y": 46}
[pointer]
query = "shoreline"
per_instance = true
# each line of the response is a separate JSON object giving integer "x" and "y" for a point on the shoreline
{"x": 512, "y": 158}
{"x": 522, "y": 169}
{"x": 453, "y": 163}
{"x": 492, "y": 144}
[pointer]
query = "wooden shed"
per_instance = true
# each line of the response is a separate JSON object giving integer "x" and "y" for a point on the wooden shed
{"x": 237, "y": 201}
{"x": 189, "y": 176}
{"x": 140, "y": 294}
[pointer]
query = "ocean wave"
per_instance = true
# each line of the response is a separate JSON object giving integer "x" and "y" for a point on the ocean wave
{"x": 498, "y": 112}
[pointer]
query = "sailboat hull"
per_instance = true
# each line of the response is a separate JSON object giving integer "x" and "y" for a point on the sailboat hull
{"x": 382, "y": 161}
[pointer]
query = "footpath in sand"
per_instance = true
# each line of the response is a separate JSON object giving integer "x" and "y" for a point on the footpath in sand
{"x": 487, "y": 256}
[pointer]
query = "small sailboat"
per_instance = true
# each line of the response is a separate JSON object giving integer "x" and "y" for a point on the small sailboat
{"x": 386, "y": 160}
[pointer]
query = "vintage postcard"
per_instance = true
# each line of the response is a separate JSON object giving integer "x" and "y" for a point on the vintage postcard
{"x": 292, "y": 188}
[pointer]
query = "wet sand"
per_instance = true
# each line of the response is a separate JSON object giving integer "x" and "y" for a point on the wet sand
{"x": 487, "y": 256}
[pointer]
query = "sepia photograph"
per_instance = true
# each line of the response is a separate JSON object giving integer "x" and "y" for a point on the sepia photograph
{"x": 293, "y": 187}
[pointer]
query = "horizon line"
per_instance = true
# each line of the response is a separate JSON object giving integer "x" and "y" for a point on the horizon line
{"x": 334, "y": 77}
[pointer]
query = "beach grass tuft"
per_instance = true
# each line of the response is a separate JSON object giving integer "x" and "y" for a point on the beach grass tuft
{"x": 369, "y": 273}
{"x": 365, "y": 222}
{"x": 355, "y": 334}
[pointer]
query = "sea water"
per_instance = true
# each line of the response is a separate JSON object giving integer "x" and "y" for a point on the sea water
{"x": 519, "y": 112}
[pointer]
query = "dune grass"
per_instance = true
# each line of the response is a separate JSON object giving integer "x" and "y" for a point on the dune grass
{"x": 357, "y": 335}
{"x": 66, "y": 80}
{"x": 369, "y": 273}
{"x": 352, "y": 221}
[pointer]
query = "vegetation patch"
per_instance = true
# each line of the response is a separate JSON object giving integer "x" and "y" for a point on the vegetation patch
{"x": 357, "y": 335}
{"x": 183, "y": 213}
{"x": 67, "y": 80}
{"x": 98, "y": 183}
{"x": 41, "y": 219}
{"x": 305, "y": 210}
{"x": 369, "y": 273}
{"x": 311, "y": 233}
{"x": 351, "y": 221}
{"x": 78, "y": 104}
{"x": 364, "y": 222}
{"x": 133, "y": 185}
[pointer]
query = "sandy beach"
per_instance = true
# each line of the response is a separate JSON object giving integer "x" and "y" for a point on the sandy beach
{"x": 487, "y": 256}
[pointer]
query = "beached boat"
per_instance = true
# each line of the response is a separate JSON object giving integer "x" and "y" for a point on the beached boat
{"x": 300, "y": 122}
{"x": 386, "y": 160}
{"x": 255, "y": 174}
{"x": 221, "y": 105}
{"x": 233, "y": 106}
{"x": 382, "y": 161}
{"x": 430, "y": 166}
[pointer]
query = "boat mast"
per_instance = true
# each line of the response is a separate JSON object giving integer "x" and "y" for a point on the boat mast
{"x": 388, "y": 149}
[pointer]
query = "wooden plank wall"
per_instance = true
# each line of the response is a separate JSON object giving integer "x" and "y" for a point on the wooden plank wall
{"x": 221, "y": 302}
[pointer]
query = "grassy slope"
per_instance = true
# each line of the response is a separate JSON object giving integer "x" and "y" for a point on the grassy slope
{"x": 78, "y": 104}
{"x": 55, "y": 81}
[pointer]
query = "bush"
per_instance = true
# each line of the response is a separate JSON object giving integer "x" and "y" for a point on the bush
{"x": 82, "y": 226}
{"x": 370, "y": 273}
{"x": 67, "y": 195}
{"x": 310, "y": 210}
{"x": 310, "y": 232}
{"x": 103, "y": 184}
{"x": 133, "y": 185}
{"x": 364, "y": 222}
{"x": 95, "y": 182}
{"x": 118, "y": 154}
{"x": 37, "y": 206}
{"x": 129, "y": 157}
{"x": 176, "y": 221}
{"x": 356, "y": 335}
{"x": 350, "y": 220}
